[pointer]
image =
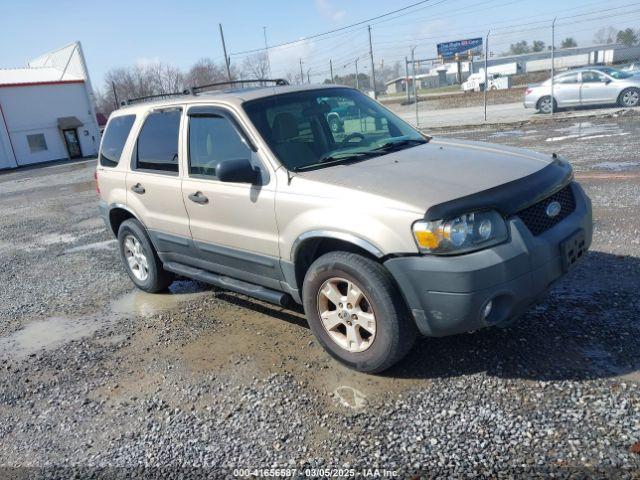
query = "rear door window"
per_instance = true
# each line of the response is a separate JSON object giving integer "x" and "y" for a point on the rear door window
{"x": 569, "y": 78}
{"x": 114, "y": 139}
{"x": 157, "y": 145}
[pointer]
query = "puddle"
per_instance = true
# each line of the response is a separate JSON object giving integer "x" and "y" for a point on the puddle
{"x": 55, "y": 238}
{"x": 138, "y": 302}
{"x": 44, "y": 193}
{"x": 510, "y": 133}
{"x": 588, "y": 131}
{"x": 105, "y": 245}
{"x": 53, "y": 332}
{"x": 617, "y": 166}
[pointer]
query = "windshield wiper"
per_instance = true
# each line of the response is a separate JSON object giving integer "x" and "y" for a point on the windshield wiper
{"x": 406, "y": 142}
{"x": 338, "y": 159}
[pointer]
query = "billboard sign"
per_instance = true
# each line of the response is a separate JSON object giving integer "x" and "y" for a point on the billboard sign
{"x": 449, "y": 49}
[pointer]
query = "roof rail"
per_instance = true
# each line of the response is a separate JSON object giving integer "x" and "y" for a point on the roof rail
{"x": 202, "y": 88}
{"x": 130, "y": 101}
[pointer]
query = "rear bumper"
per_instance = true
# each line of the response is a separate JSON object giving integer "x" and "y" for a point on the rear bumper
{"x": 447, "y": 295}
{"x": 529, "y": 103}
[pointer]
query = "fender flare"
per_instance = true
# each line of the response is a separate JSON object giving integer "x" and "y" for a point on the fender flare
{"x": 347, "y": 237}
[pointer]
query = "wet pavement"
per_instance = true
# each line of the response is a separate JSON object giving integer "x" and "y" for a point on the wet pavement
{"x": 94, "y": 372}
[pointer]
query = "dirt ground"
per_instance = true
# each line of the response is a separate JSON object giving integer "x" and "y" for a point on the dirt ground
{"x": 100, "y": 380}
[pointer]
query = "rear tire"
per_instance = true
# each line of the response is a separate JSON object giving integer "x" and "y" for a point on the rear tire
{"x": 367, "y": 302}
{"x": 140, "y": 258}
{"x": 544, "y": 105}
{"x": 629, "y": 97}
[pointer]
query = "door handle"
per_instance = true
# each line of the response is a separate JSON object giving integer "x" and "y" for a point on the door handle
{"x": 137, "y": 188}
{"x": 198, "y": 197}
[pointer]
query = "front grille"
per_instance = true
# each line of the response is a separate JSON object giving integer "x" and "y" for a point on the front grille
{"x": 535, "y": 217}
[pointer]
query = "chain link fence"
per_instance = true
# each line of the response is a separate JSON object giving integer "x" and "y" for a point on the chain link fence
{"x": 587, "y": 80}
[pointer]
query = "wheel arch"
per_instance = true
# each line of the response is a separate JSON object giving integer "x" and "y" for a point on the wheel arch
{"x": 311, "y": 245}
{"x": 118, "y": 213}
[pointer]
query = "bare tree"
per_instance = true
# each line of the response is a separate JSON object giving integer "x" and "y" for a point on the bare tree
{"x": 605, "y": 35}
{"x": 164, "y": 78}
{"x": 256, "y": 66}
{"x": 204, "y": 72}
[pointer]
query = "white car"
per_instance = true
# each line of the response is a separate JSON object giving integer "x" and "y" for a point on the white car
{"x": 588, "y": 86}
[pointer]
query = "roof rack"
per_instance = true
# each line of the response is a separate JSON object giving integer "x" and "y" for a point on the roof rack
{"x": 201, "y": 88}
{"x": 130, "y": 101}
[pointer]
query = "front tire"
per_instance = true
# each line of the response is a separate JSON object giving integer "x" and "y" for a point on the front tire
{"x": 356, "y": 312}
{"x": 140, "y": 258}
{"x": 629, "y": 98}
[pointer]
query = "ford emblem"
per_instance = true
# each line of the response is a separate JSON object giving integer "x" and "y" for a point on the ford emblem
{"x": 553, "y": 209}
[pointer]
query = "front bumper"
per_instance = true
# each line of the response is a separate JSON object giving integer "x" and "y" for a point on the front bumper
{"x": 447, "y": 294}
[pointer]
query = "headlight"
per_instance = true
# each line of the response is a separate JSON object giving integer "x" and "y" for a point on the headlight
{"x": 465, "y": 233}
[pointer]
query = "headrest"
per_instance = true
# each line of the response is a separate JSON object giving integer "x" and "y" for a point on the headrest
{"x": 285, "y": 126}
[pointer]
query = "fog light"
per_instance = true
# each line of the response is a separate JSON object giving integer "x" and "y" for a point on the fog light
{"x": 486, "y": 311}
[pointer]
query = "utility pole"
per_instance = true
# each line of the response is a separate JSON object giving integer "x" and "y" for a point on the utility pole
{"x": 373, "y": 69}
{"x": 308, "y": 76}
{"x": 224, "y": 50}
{"x": 406, "y": 79}
{"x": 115, "y": 95}
{"x": 301, "y": 73}
{"x": 357, "y": 79}
{"x": 415, "y": 85}
{"x": 331, "y": 69}
{"x": 553, "y": 59}
{"x": 486, "y": 83}
{"x": 266, "y": 50}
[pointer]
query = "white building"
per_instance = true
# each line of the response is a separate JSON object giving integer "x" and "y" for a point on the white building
{"x": 47, "y": 110}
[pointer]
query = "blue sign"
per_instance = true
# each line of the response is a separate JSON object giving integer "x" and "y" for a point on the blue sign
{"x": 449, "y": 49}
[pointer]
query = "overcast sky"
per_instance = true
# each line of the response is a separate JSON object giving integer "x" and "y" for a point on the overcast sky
{"x": 120, "y": 33}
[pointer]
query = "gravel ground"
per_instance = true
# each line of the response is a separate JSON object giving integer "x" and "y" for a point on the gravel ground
{"x": 99, "y": 380}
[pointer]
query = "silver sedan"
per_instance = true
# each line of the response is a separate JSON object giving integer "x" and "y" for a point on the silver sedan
{"x": 589, "y": 86}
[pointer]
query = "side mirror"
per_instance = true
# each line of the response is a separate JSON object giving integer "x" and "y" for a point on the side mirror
{"x": 237, "y": 171}
{"x": 607, "y": 81}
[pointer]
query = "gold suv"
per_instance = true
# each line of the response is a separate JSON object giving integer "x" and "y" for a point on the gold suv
{"x": 380, "y": 232}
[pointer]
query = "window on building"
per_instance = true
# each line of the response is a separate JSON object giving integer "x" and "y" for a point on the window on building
{"x": 211, "y": 140}
{"x": 114, "y": 139}
{"x": 157, "y": 146}
{"x": 37, "y": 142}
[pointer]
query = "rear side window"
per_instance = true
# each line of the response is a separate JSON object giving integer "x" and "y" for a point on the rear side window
{"x": 157, "y": 146}
{"x": 570, "y": 78}
{"x": 114, "y": 139}
{"x": 211, "y": 140}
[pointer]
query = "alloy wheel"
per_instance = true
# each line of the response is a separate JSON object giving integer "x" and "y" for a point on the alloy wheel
{"x": 346, "y": 314}
{"x": 631, "y": 98}
{"x": 136, "y": 258}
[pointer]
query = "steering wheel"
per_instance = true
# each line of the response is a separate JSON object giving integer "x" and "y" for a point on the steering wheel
{"x": 351, "y": 136}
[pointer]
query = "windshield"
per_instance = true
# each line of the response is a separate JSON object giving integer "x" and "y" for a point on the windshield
{"x": 612, "y": 72}
{"x": 324, "y": 127}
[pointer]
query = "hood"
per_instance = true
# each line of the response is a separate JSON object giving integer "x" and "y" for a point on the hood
{"x": 433, "y": 173}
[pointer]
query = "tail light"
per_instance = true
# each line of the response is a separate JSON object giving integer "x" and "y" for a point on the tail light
{"x": 95, "y": 178}
{"x": 528, "y": 91}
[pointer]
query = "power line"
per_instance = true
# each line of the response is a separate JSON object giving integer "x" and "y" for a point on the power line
{"x": 362, "y": 22}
